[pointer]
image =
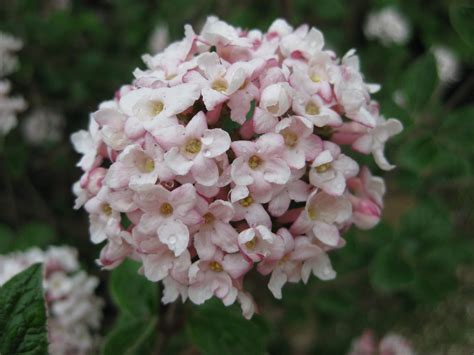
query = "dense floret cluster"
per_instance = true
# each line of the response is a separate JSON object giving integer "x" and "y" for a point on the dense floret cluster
{"x": 390, "y": 344}
{"x": 74, "y": 312}
{"x": 228, "y": 153}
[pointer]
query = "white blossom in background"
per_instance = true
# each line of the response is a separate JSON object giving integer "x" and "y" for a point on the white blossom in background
{"x": 447, "y": 64}
{"x": 8, "y": 46}
{"x": 388, "y": 26}
{"x": 159, "y": 39}
{"x": 390, "y": 344}
{"x": 74, "y": 311}
{"x": 43, "y": 125}
{"x": 9, "y": 108}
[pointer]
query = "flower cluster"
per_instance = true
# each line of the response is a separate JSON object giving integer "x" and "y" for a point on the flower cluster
{"x": 43, "y": 125}
{"x": 390, "y": 344}
{"x": 226, "y": 154}
{"x": 9, "y": 106}
{"x": 388, "y": 26}
{"x": 74, "y": 312}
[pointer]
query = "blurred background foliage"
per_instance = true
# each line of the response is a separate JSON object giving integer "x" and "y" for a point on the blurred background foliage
{"x": 413, "y": 273}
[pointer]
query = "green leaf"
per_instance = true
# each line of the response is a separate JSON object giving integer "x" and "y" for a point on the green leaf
{"x": 216, "y": 330}
{"x": 131, "y": 292}
{"x": 462, "y": 19}
{"x": 419, "y": 82}
{"x": 389, "y": 271}
{"x": 136, "y": 337}
{"x": 23, "y": 314}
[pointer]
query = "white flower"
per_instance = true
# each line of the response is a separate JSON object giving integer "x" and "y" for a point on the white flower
{"x": 9, "y": 108}
{"x": 447, "y": 64}
{"x": 8, "y": 60}
{"x": 159, "y": 39}
{"x": 388, "y": 26}
{"x": 43, "y": 126}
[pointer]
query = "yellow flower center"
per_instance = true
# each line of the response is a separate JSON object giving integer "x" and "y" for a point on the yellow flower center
{"x": 322, "y": 168}
{"x": 312, "y": 213}
{"x": 166, "y": 209}
{"x": 312, "y": 109}
{"x": 193, "y": 146}
{"x": 254, "y": 161}
{"x": 220, "y": 85}
{"x": 147, "y": 165}
{"x": 290, "y": 138}
{"x": 107, "y": 209}
{"x": 216, "y": 266}
{"x": 209, "y": 218}
{"x": 251, "y": 243}
{"x": 157, "y": 107}
{"x": 245, "y": 202}
{"x": 315, "y": 78}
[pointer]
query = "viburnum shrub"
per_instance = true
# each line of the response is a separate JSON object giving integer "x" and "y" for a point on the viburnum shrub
{"x": 228, "y": 153}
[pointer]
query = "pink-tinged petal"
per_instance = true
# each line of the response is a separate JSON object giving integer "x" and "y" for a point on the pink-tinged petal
{"x": 175, "y": 235}
{"x": 205, "y": 248}
{"x": 149, "y": 223}
{"x": 222, "y": 210}
{"x": 347, "y": 166}
{"x": 118, "y": 175}
{"x": 256, "y": 215}
{"x": 172, "y": 290}
{"x": 122, "y": 200}
{"x": 238, "y": 193}
{"x": 263, "y": 122}
{"x": 156, "y": 266}
{"x": 236, "y": 265}
{"x": 240, "y": 172}
{"x": 243, "y": 148}
{"x": 276, "y": 99}
{"x": 183, "y": 199}
{"x": 239, "y": 104}
{"x": 225, "y": 236}
{"x": 134, "y": 128}
{"x": 295, "y": 157}
{"x": 236, "y": 80}
{"x": 323, "y": 158}
{"x": 326, "y": 233}
{"x": 212, "y": 98}
{"x": 276, "y": 171}
{"x": 299, "y": 190}
{"x": 304, "y": 249}
{"x": 215, "y": 142}
{"x": 276, "y": 282}
{"x": 320, "y": 266}
{"x": 179, "y": 98}
{"x": 382, "y": 161}
{"x": 197, "y": 126}
{"x": 261, "y": 191}
{"x": 171, "y": 136}
{"x": 210, "y": 64}
{"x": 149, "y": 198}
{"x": 247, "y": 304}
{"x": 270, "y": 144}
{"x": 205, "y": 171}
{"x": 302, "y": 224}
{"x": 311, "y": 146}
{"x": 179, "y": 164}
{"x": 279, "y": 204}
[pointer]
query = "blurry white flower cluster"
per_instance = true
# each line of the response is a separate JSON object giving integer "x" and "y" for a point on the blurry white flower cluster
{"x": 447, "y": 64}
{"x": 43, "y": 125}
{"x": 390, "y": 344}
{"x": 9, "y": 106}
{"x": 74, "y": 311}
{"x": 159, "y": 39}
{"x": 388, "y": 26}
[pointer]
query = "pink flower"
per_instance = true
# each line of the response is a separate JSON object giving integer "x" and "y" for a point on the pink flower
{"x": 248, "y": 207}
{"x": 151, "y": 109}
{"x": 168, "y": 213}
{"x": 331, "y": 168}
{"x": 214, "y": 276}
{"x": 301, "y": 144}
{"x": 136, "y": 166}
{"x": 215, "y": 232}
{"x": 321, "y": 217}
{"x": 374, "y": 140}
{"x": 193, "y": 149}
{"x": 259, "y": 243}
{"x": 260, "y": 164}
{"x": 316, "y": 110}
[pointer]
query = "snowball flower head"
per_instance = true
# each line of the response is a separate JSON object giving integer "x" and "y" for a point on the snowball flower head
{"x": 388, "y": 26}
{"x": 74, "y": 312}
{"x": 224, "y": 156}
